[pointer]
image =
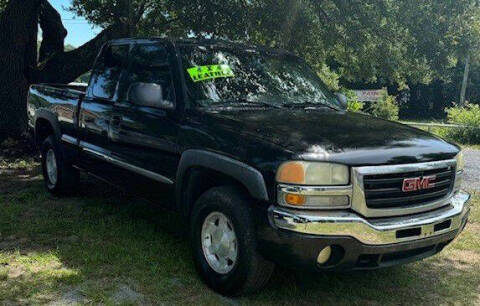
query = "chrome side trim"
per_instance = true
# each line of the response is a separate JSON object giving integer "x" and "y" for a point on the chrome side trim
{"x": 69, "y": 139}
{"x": 141, "y": 171}
{"x": 358, "y": 197}
{"x": 94, "y": 150}
{"x": 376, "y": 231}
{"x": 97, "y": 152}
{"x": 282, "y": 189}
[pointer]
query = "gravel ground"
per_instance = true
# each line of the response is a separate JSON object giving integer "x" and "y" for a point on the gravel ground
{"x": 472, "y": 169}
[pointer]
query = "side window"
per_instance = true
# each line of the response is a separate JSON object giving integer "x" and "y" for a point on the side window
{"x": 149, "y": 64}
{"x": 107, "y": 72}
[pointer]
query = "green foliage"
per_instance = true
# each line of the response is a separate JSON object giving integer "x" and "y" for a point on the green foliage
{"x": 3, "y": 4}
{"x": 366, "y": 41}
{"x": 469, "y": 117}
{"x": 69, "y": 47}
{"x": 353, "y": 105}
{"x": 329, "y": 77}
{"x": 386, "y": 108}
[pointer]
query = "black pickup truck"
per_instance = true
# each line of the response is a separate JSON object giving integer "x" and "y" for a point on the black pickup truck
{"x": 264, "y": 163}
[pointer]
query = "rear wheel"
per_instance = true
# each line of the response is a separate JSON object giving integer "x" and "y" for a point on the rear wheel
{"x": 59, "y": 176}
{"x": 224, "y": 243}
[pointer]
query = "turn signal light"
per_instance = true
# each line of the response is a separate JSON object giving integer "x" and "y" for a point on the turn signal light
{"x": 294, "y": 199}
{"x": 313, "y": 173}
{"x": 292, "y": 172}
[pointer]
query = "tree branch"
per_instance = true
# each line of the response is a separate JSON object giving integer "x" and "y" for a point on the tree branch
{"x": 320, "y": 12}
{"x": 53, "y": 31}
{"x": 65, "y": 67}
{"x": 141, "y": 10}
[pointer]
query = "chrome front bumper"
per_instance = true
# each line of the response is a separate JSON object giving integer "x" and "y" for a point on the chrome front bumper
{"x": 379, "y": 231}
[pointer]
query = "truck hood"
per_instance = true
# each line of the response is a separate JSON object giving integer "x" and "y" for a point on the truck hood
{"x": 343, "y": 137}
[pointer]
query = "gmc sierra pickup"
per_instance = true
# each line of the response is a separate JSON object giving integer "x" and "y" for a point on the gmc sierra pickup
{"x": 264, "y": 163}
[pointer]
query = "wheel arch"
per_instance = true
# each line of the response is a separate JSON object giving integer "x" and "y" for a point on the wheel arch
{"x": 46, "y": 123}
{"x": 200, "y": 170}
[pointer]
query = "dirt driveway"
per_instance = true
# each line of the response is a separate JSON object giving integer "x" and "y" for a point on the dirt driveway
{"x": 472, "y": 169}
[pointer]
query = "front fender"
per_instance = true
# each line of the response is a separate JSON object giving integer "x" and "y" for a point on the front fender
{"x": 250, "y": 177}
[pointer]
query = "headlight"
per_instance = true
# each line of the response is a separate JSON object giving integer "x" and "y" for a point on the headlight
{"x": 460, "y": 161}
{"x": 313, "y": 173}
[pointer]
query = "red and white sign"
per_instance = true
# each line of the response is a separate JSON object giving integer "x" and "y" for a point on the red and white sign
{"x": 370, "y": 95}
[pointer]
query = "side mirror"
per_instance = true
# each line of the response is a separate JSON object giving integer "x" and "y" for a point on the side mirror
{"x": 342, "y": 99}
{"x": 148, "y": 94}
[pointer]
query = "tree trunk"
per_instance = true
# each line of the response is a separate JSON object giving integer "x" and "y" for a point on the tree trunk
{"x": 18, "y": 57}
{"x": 18, "y": 34}
{"x": 465, "y": 80}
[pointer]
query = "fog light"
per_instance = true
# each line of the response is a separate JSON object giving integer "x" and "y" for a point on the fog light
{"x": 294, "y": 199}
{"x": 324, "y": 255}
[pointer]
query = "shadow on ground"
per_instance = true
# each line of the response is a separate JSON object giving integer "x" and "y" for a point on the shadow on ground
{"x": 102, "y": 246}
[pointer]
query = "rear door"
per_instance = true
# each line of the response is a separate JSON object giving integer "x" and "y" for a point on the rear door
{"x": 143, "y": 140}
{"x": 97, "y": 108}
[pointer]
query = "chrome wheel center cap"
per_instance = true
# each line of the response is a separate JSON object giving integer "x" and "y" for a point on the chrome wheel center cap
{"x": 219, "y": 242}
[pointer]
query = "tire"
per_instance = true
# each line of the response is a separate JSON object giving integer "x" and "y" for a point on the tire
{"x": 249, "y": 271}
{"x": 65, "y": 179}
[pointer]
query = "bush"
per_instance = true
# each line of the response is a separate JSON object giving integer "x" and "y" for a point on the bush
{"x": 386, "y": 108}
{"x": 353, "y": 105}
{"x": 329, "y": 77}
{"x": 469, "y": 117}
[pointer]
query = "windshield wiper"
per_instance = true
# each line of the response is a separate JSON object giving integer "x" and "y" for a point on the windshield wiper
{"x": 312, "y": 104}
{"x": 243, "y": 101}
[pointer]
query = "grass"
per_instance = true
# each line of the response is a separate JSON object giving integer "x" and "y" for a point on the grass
{"x": 471, "y": 147}
{"x": 103, "y": 247}
{"x": 441, "y": 132}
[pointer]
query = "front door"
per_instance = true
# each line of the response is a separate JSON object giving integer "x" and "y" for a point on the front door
{"x": 143, "y": 140}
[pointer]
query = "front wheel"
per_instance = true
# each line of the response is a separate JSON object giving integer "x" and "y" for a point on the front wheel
{"x": 60, "y": 177}
{"x": 224, "y": 243}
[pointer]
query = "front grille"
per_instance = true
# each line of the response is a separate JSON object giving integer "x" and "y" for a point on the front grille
{"x": 385, "y": 190}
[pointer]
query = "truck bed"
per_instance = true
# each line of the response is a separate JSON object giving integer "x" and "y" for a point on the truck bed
{"x": 59, "y": 99}
{"x": 71, "y": 87}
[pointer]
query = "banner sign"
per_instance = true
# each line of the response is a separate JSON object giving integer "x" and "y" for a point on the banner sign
{"x": 373, "y": 95}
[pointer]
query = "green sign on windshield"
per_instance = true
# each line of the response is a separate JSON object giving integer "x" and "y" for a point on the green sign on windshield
{"x": 210, "y": 72}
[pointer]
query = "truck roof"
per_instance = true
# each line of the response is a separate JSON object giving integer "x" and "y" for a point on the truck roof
{"x": 204, "y": 42}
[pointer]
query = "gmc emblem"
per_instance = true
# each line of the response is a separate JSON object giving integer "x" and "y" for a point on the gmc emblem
{"x": 418, "y": 183}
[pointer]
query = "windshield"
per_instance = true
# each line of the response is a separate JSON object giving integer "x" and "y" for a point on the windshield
{"x": 223, "y": 76}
